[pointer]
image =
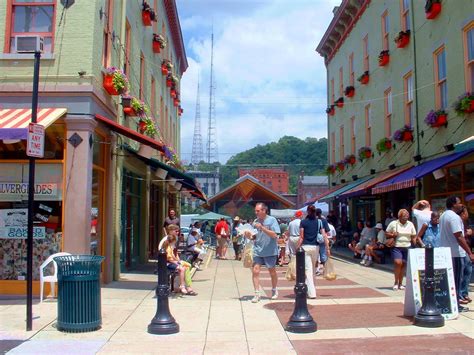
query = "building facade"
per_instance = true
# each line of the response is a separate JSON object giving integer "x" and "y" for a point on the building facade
{"x": 391, "y": 92}
{"x": 110, "y": 170}
{"x": 310, "y": 188}
{"x": 275, "y": 179}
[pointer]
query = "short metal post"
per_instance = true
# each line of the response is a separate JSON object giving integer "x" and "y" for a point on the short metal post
{"x": 163, "y": 322}
{"x": 429, "y": 315}
{"x": 301, "y": 320}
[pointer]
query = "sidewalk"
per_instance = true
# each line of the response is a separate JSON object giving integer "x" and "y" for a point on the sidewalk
{"x": 358, "y": 313}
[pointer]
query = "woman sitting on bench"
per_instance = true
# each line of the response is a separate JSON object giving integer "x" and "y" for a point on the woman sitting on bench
{"x": 174, "y": 263}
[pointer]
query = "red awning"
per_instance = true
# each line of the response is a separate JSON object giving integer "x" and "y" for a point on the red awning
{"x": 130, "y": 133}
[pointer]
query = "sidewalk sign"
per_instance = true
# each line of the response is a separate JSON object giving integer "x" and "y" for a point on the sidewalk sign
{"x": 35, "y": 141}
{"x": 445, "y": 289}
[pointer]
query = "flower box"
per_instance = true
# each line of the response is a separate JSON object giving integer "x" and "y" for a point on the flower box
{"x": 384, "y": 145}
{"x": 402, "y": 39}
{"x": 331, "y": 169}
{"x": 173, "y": 93}
{"x": 148, "y": 14}
{"x": 129, "y": 111}
{"x": 147, "y": 126}
{"x": 139, "y": 107}
{"x": 349, "y": 91}
{"x": 464, "y": 105}
{"x": 340, "y": 102}
{"x": 164, "y": 70}
{"x": 404, "y": 134}
{"x": 176, "y": 102}
{"x": 330, "y": 110}
{"x": 169, "y": 82}
{"x": 384, "y": 58}
{"x": 156, "y": 47}
{"x": 364, "y": 78}
{"x": 365, "y": 153}
{"x": 142, "y": 126}
{"x": 340, "y": 166}
{"x": 350, "y": 159}
{"x": 432, "y": 9}
{"x": 114, "y": 81}
{"x": 159, "y": 43}
{"x": 108, "y": 84}
{"x": 436, "y": 119}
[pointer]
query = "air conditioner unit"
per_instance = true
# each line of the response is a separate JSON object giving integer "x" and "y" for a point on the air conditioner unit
{"x": 28, "y": 44}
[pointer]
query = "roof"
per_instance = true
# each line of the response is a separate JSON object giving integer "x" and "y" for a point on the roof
{"x": 245, "y": 189}
{"x": 176, "y": 34}
{"x": 210, "y": 216}
{"x": 314, "y": 180}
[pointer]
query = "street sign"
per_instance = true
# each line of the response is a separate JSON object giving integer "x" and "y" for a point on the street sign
{"x": 35, "y": 141}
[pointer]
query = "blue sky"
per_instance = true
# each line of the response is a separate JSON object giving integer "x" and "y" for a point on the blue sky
{"x": 269, "y": 79}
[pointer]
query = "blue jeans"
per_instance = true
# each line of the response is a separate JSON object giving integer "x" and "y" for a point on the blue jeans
{"x": 465, "y": 277}
{"x": 323, "y": 256}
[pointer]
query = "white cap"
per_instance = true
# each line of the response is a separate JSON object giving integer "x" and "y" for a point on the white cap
{"x": 379, "y": 226}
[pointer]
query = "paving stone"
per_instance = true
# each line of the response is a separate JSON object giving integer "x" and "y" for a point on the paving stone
{"x": 361, "y": 292}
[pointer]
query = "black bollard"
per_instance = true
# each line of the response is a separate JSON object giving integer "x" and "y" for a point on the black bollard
{"x": 301, "y": 321}
{"x": 163, "y": 322}
{"x": 429, "y": 315}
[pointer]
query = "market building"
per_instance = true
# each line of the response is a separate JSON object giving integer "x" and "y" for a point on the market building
{"x": 400, "y": 105}
{"x": 109, "y": 100}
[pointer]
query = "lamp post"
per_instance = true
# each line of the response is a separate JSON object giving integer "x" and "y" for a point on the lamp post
{"x": 301, "y": 320}
{"x": 31, "y": 199}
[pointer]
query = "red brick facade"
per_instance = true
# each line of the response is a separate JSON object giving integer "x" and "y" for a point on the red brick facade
{"x": 275, "y": 179}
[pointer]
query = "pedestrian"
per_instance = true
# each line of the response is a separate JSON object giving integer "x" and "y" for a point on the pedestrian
{"x": 467, "y": 265}
{"x": 222, "y": 233}
{"x": 311, "y": 233}
{"x": 403, "y": 231}
{"x": 367, "y": 236}
{"x": 324, "y": 251}
{"x": 265, "y": 249}
{"x": 236, "y": 238}
{"x": 422, "y": 213}
{"x": 375, "y": 251}
{"x": 429, "y": 232}
{"x": 332, "y": 234}
{"x": 171, "y": 219}
{"x": 452, "y": 236}
{"x": 294, "y": 233}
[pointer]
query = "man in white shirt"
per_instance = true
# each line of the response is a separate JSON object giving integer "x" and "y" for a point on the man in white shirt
{"x": 294, "y": 233}
{"x": 452, "y": 236}
{"x": 422, "y": 212}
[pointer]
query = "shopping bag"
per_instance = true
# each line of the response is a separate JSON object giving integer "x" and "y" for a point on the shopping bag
{"x": 329, "y": 271}
{"x": 291, "y": 271}
{"x": 248, "y": 256}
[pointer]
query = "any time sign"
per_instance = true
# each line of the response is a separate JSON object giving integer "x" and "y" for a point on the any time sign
{"x": 35, "y": 141}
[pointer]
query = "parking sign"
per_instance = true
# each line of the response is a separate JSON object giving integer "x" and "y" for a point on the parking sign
{"x": 35, "y": 141}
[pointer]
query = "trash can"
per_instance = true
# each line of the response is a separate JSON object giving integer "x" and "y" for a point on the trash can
{"x": 79, "y": 303}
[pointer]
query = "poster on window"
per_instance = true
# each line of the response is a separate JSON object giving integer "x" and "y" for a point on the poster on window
{"x": 14, "y": 225}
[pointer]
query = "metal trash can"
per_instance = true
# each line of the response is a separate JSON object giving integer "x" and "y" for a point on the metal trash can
{"x": 79, "y": 302}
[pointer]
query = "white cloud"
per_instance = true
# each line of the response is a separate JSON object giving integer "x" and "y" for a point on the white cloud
{"x": 269, "y": 80}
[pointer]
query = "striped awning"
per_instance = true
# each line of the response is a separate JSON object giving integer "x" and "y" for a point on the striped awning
{"x": 14, "y": 122}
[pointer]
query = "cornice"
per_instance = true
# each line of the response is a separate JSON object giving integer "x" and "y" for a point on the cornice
{"x": 176, "y": 34}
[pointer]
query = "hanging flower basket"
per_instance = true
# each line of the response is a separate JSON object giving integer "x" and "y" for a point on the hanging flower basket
{"x": 404, "y": 134}
{"x": 384, "y": 58}
{"x": 364, "y": 78}
{"x": 436, "y": 118}
{"x": 148, "y": 14}
{"x": 115, "y": 82}
{"x": 331, "y": 169}
{"x": 330, "y": 110}
{"x": 365, "y": 153}
{"x": 164, "y": 69}
{"x": 159, "y": 43}
{"x": 173, "y": 93}
{"x": 402, "y": 39}
{"x": 349, "y": 91}
{"x": 340, "y": 102}
{"x": 464, "y": 105}
{"x": 147, "y": 126}
{"x": 432, "y": 9}
{"x": 384, "y": 145}
{"x": 340, "y": 166}
{"x": 139, "y": 107}
{"x": 350, "y": 159}
{"x": 169, "y": 82}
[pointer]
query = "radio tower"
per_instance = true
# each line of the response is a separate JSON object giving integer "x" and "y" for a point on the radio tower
{"x": 197, "y": 153}
{"x": 212, "y": 154}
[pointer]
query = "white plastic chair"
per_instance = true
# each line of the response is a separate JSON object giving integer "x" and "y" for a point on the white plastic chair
{"x": 52, "y": 279}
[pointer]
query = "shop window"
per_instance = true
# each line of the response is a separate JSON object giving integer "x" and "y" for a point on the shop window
{"x": 32, "y": 18}
{"x": 469, "y": 56}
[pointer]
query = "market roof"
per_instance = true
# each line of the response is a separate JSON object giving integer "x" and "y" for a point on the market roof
{"x": 314, "y": 180}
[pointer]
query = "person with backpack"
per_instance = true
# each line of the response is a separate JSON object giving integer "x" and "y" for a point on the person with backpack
{"x": 312, "y": 236}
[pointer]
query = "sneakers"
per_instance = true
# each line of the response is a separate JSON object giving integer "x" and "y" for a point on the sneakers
{"x": 462, "y": 309}
{"x": 395, "y": 287}
{"x": 401, "y": 287}
{"x": 274, "y": 294}
{"x": 256, "y": 298}
{"x": 362, "y": 262}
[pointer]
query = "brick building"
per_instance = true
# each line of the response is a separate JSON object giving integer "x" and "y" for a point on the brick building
{"x": 310, "y": 187}
{"x": 275, "y": 179}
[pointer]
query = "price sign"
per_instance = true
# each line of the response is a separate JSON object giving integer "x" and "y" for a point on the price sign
{"x": 35, "y": 141}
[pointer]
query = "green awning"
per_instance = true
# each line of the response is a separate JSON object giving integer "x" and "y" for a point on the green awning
{"x": 210, "y": 216}
{"x": 335, "y": 194}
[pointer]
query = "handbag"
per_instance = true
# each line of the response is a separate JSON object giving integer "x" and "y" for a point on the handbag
{"x": 320, "y": 237}
{"x": 329, "y": 270}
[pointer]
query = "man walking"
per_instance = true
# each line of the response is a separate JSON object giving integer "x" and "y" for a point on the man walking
{"x": 452, "y": 236}
{"x": 222, "y": 234}
{"x": 294, "y": 233}
{"x": 265, "y": 251}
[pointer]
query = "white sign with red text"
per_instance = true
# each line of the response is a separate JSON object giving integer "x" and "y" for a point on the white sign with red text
{"x": 35, "y": 141}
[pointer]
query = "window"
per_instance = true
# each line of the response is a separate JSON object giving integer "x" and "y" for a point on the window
{"x": 351, "y": 69}
{"x": 153, "y": 98}
{"x": 368, "y": 126}
{"x": 388, "y": 112}
{"x": 108, "y": 28}
{"x": 142, "y": 76}
{"x": 35, "y": 17}
{"x": 408, "y": 98}
{"x": 469, "y": 56}
{"x": 353, "y": 135}
{"x": 341, "y": 82}
{"x": 126, "y": 63}
{"x": 155, "y": 23}
{"x": 365, "y": 45}
{"x": 385, "y": 31}
{"x": 333, "y": 147}
{"x": 405, "y": 14}
{"x": 332, "y": 91}
{"x": 440, "y": 79}
{"x": 341, "y": 142}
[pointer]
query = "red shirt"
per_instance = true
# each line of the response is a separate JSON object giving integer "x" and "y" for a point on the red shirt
{"x": 222, "y": 225}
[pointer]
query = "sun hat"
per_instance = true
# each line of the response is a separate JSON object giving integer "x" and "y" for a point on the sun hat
{"x": 379, "y": 226}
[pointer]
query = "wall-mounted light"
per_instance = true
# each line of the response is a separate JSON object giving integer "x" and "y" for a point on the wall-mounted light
{"x": 372, "y": 171}
{"x": 392, "y": 166}
{"x": 343, "y": 181}
{"x": 354, "y": 177}
{"x": 333, "y": 184}
{"x": 417, "y": 157}
{"x": 449, "y": 147}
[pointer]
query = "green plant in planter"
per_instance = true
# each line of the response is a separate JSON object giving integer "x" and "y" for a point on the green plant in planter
{"x": 119, "y": 79}
{"x": 149, "y": 126}
{"x": 139, "y": 107}
{"x": 464, "y": 104}
{"x": 160, "y": 39}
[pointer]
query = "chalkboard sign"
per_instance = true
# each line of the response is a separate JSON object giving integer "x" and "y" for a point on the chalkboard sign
{"x": 441, "y": 284}
{"x": 445, "y": 291}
